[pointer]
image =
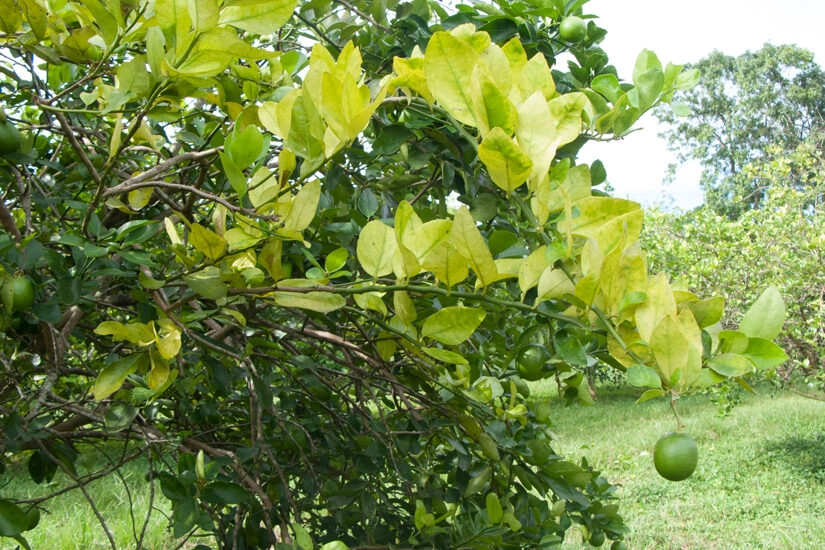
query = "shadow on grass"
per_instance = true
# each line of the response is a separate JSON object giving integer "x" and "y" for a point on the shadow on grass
{"x": 803, "y": 455}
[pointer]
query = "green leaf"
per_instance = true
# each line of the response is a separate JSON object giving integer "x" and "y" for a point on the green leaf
{"x": 119, "y": 416}
{"x": 707, "y": 312}
{"x": 207, "y": 282}
{"x": 334, "y": 545}
{"x": 302, "y": 538}
{"x": 13, "y": 520}
{"x": 224, "y": 492}
{"x": 323, "y": 302}
{"x": 184, "y": 516}
{"x": 452, "y": 325}
{"x": 245, "y": 146}
{"x": 494, "y": 511}
{"x": 112, "y": 376}
{"x": 764, "y": 353}
{"x": 446, "y": 356}
{"x": 643, "y": 376}
{"x": 376, "y": 247}
{"x": 258, "y": 16}
{"x": 731, "y": 365}
{"x": 650, "y": 394}
{"x": 766, "y": 316}
{"x": 507, "y": 164}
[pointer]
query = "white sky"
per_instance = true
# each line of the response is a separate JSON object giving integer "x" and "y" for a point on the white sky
{"x": 681, "y": 32}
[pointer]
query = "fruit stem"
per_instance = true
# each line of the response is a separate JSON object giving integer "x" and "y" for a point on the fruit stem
{"x": 679, "y": 423}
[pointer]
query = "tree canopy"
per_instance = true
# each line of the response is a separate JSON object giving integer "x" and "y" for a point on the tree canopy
{"x": 745, "y": 109}
{"x": 290, "y": 256}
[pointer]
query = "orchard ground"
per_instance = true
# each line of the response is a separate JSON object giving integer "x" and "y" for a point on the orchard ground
{"x": 759, "y": 484}
{"x": 760, "y": 481}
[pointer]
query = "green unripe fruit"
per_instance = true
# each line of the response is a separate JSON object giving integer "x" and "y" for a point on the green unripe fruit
{"x": 675, "y": 456}
{"x": 596, "y": 538}
{"x": 10, "y": 140}
{"x": 531, "y": 361}
{"x": 573, "y": 29}
{"x": 23, "y": 294}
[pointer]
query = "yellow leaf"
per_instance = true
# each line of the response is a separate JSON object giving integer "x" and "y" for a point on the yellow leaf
{"x": 209, "y": 243}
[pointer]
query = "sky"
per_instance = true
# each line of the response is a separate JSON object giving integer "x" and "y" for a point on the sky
{"x": 683, "y": 32}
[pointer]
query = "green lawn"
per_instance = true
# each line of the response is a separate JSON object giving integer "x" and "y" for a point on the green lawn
{"x": 760, "y": 482}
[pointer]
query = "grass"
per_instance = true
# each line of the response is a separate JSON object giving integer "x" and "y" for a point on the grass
{"x": 760, "y": 482}
{"x": 68, "y": 523}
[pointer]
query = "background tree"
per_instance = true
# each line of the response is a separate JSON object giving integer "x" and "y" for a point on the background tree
{"x": 779, "y": 244}
{"x": 747, "y": 109}
{"x": 290, "y": 256}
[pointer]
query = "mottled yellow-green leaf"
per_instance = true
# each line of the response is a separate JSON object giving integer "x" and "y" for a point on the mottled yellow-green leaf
{"x": 410, "y": 75}
{"x": 535, "y": 76}
{"x": 304, "y": 206}
{"x": 270, "y": 258}
{"x": 405, "y": 263}
{"x": 506, "y": 163}
{"x": 531, "y": 269}
{"x": 406, "y": 222}
{"x": 204, "y": 14}
{"x": 671, "y": 349}
{"x": 452, "y": 325}
{"x": 11, "y": 17}
{"x": 322, "y": 302}
{"x": 159, "y": 372}
{"x": 209, "y": 243}
{"x": 448, "y": 65}
{"x": 112, "y": 376}
{"x": 376, "y": 247}
{"x": 423, "y": 238}
{"x": 371, "y": 301}
{"x": 554, "y": 283}
{"x": 404, "y": 307}
{"x": 167, "y": 338}
{"x": 535, "y": 136}
{"x": 138, "y": 198}
{"x": 207, "y": 282}
{"x": 258, "y": 16}
{"x": 659, "y": 304}
{"x": 624, "y": 272}
{"x": 137, "y": 333}
{"x": 605, "y": 220}
{"x": 467, "y": 239}
{"x": 550, "y": 196}
{"x": 496, "y": 67}
{"x": 446, "y": 263}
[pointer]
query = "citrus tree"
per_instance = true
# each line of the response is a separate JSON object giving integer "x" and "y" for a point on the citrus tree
{"x": 295, "y": 257}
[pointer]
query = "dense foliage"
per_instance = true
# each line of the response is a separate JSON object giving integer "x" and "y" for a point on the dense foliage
{"x": 748, "y": 109}
{"x": 291, "y": 254}
{"x": 779, "y": 244}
